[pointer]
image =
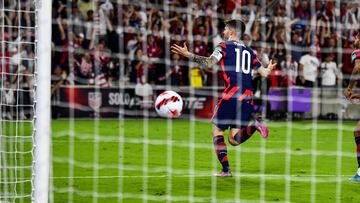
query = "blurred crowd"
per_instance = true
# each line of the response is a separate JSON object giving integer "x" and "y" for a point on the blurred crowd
{"x": 17, "y": 54}
{"x": 112, "y": 43}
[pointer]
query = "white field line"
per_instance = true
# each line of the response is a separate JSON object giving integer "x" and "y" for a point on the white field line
{"x": 149, "y": 197}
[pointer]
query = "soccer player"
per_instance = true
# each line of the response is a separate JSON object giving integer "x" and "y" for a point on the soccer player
{"x": 355, "y": 75}
{"x": 235, "y": 108}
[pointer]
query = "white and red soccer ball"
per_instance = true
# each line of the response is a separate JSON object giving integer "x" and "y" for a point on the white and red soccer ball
{"x": 169, "y": 104}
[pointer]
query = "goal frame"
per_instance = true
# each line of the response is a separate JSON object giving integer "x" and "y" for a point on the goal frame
{"x": 41, "y": 162}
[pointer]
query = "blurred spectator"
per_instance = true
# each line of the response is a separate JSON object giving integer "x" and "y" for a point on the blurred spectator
{"x": 132, "y": 18}
{"x": 58, "y": 78}
{"x": 316, "y": 44}
{"x": 281, "y": 45}
{"x": 330, "y": 47}
{"x": 200, "y": 46}
{"x": 84, "y": 6}
{"x": 84, "y": 70}
{"x": 196, "y": 77}
{"x": 302, "y": 9}
{"x": 134, "y": 44}
{"x": 5, "y": 65}
{"x": 20, "y": 69}
{"x": 323, "y": 27}
{"x": 256, "y": 31}
{"x": 16, "y": 65}
{"x": 270, "y": 31}
{"x": 65, "y": 37}
{"x": 153, "y": 48}
{"x": 296, "y": 48}
{"x": 154, "y": 53}
{"x": 275, "y": 77}
{"x": 88, "y": 28}
{"x": 262, "y": 55}
{"x": 113, "y": 72}
{"x": 178, "y": 26}
{"x": 308, "y": 36}
{"x": 176, "y": 73}
{"x": 329, "y": 72}
{"x": 101, "y": 57}
{"x": 137, "y": 74}
{"x": 289, "y": 69}
{"x": 248, "y": 6}
{"x": 347, "y": 66}
{"x": 308, "y": 68}
{"x": 108, "y": 8}
{"x": 217, "y": 30}
{"x": 101, "y": 23}
{"x": 351, "y": 17}
{"x": 280, "y": 16}
{"x": 7, "y": 100}
{"x": 77, "y": 20}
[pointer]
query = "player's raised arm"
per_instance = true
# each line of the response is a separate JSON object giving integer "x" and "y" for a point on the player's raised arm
{"x": 355, "y": 75}
{"x": 264, "y": 72}
{"x": 208, "y": 62}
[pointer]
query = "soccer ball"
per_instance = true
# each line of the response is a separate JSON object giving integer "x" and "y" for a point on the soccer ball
{"x": 169, "y": 104}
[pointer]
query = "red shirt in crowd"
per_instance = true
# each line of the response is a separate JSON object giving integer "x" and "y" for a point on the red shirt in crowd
{"x": 200, "y": 48}
{"x": 4, "y": 67}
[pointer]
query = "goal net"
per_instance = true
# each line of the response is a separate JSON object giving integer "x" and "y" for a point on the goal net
{"x": 110, "y": 59}
{"x": 17, "y": 100}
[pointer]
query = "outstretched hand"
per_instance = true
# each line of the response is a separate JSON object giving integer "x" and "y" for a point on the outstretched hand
{"x": 355, "y": 98}
{"x": 183, "y": 51}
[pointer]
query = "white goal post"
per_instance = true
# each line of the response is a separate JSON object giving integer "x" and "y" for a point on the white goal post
{"x": 41, "y": 162}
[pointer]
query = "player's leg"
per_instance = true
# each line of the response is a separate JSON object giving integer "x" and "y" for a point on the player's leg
{"x": 220, "y": 119}
{"x": 244, "y": 127}
{"x": 356, "y": 177}
{"x": 240, "y": 135}
{"x": 221, "y": 150}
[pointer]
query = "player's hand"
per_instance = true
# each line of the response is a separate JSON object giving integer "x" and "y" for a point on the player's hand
{"x": 355, "y": 97}
{"x": 183, "y": 51}
{"x": 271, "y": 65}
{"x": 348, "y": 93}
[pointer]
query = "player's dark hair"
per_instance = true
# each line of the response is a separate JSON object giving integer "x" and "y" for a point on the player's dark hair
{"x": 238, "y": 25}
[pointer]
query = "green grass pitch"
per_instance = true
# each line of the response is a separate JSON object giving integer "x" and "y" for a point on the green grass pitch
{"x": 174, "y": 161}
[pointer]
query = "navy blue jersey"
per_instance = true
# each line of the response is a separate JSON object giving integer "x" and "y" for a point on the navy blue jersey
{"x": 237, "y": 62}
